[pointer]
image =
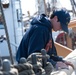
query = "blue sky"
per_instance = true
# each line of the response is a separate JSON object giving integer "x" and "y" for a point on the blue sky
{"x": 30, "y": 5}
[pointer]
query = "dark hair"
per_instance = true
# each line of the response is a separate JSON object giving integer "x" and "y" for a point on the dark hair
{"x": 52, "y": 16}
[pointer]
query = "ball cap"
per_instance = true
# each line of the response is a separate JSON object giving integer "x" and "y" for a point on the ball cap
{"x": 63, "y": 17}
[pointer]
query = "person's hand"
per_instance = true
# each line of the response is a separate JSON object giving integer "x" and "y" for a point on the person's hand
{"x": 61, "y": 65}
{"x": 69, "y": 64}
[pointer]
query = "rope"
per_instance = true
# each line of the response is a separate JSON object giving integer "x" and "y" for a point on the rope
{"x": 25, "y": 66}
{"x": 13, "y": 71}
{"x": 38, "y": 67}
{"x": 25, "y": 69}
{"x": 38, "y": 55}
{"x": 29, "y": 68}
{"x": 49, "y": 68}
{"x": 38, "y": 70}
{"x": 27, "y": 72}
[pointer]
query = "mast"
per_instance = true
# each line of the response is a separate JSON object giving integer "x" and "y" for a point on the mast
{"x": 41, "y": 6}
{"x": 73, "y": 6}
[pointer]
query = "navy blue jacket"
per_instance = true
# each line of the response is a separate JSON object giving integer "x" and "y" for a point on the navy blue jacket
{"x": 36, "y": 38}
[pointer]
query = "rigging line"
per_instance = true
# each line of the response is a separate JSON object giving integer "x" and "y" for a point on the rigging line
{"x": 6, "y": 31}
{"x": 74, "y": 3}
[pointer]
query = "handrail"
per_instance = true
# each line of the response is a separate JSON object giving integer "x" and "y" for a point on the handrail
{"x": 62, "y": 50}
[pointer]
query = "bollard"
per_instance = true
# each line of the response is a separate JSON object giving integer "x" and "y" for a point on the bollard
{"x": 6, "y": 65}
{"x": 34, "y": 59}
{"x": 44, "y": 57}
{"x": 23, "y": 60}
{"x": 7, "y": 69}
{"x": 34, "y": 62}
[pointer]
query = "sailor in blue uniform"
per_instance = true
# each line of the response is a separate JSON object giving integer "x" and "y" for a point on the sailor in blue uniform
{"x": 39, "y": 36}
